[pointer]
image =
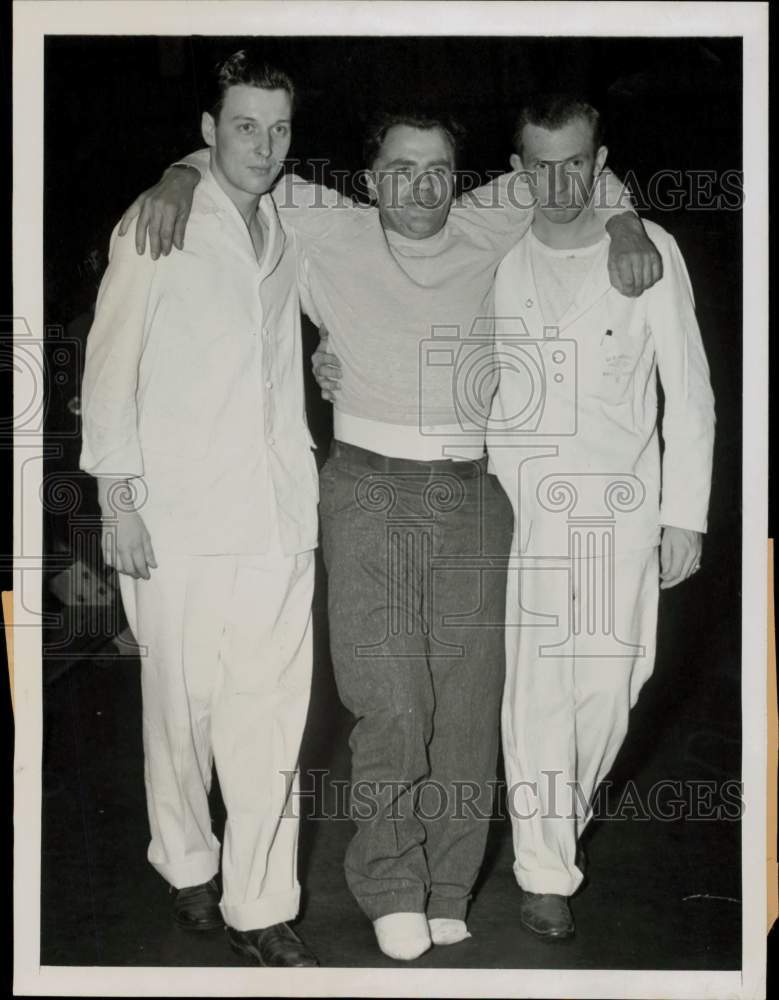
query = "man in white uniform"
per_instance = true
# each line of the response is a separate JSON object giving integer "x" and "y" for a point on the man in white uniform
{"x": 194, "y": 426}
{"x": 415, "y": 533}
{"x": 586, "y": 490}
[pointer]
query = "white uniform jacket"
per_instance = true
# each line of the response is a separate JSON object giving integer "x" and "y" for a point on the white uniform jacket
{"x": 193, "y": 386}
{"x": 573, "y": 430}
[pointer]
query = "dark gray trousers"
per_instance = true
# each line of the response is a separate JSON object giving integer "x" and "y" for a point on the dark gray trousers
{"x": 416, "y": 557}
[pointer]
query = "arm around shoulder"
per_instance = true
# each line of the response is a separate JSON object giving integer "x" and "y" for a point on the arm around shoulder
{"x": 163, "y": 210}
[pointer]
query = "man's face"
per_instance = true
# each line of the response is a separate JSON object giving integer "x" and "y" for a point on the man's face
{"x": 412, "y": 179}
{"x": 561, "y": 164}
{"x": 251, "y": 138}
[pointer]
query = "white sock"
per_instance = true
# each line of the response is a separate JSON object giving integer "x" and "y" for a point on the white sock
{"x": 404, "y": 936}
{"x": 445, "y": 930}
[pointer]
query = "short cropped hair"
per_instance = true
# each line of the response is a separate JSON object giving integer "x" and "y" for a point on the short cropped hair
{"x": 553, "y": 110}
{"x": 247, "y": 68}
{"x": 383, "y": 121}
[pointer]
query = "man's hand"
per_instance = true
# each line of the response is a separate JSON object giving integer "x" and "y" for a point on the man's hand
{"x": 163, "y": 211}
{"x": 126, "y": 543}
{"x": 680, "y": 555}
{"x": 326, "y": 368}
{"x": 634, "y": 262}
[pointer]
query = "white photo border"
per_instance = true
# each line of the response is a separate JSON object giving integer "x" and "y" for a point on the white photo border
{"x": 34, "y": 20}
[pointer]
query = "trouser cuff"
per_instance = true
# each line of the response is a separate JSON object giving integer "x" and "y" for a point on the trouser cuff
{"x": 263, "y": 912}
{"x": 451, "y": 909}
{"x": 396, "y": 901}
{"x": 547, "y": 880}
{"x": 195, "y": 869}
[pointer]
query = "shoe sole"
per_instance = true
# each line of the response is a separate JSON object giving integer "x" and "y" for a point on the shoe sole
{"x": 551, "y": 936}
{"x": 246, "y": 952}
{"x": 203, "y": 925}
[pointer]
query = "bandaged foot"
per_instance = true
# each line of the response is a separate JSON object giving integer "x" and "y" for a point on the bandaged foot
{"x": 445, "y": 930}
{"x": 404, "y": 936}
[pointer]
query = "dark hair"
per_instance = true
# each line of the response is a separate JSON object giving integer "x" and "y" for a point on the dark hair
{"x": 245, "y": 67}
{"x": 383, "y": 121}
{"x": 553, "y": 110}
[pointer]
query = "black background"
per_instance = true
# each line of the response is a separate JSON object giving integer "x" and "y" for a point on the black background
{"x": 119, "y": 109}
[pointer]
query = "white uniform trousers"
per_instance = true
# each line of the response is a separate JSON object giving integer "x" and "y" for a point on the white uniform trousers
{"x": 580, "y": 644}
{"x": 226, "y": 664}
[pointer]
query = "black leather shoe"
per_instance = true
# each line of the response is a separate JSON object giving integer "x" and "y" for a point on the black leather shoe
{"x": 197, "y": 907}
{"x": 546, "y": 915}
{"x": 274, "y": 946}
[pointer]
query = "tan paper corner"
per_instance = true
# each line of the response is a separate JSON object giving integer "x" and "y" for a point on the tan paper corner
{"x": 8, "y": 615}
{"x": 772, "y": 874}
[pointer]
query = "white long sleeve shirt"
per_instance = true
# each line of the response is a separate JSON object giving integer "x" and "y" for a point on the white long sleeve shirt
{"x": 577, "y": 401}
{"x": 193, "y": 386}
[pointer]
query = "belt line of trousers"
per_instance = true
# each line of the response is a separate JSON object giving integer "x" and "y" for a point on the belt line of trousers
{"x": 226, "y": 659}
{"x": 564, "y": 716}
{"x": 416, "y": 567}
